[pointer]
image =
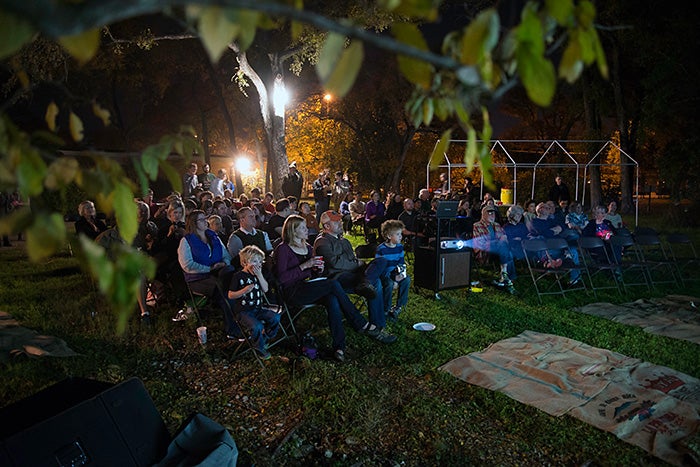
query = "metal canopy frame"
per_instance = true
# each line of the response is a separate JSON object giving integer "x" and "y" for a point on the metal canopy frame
{"x": 511, "y": 163}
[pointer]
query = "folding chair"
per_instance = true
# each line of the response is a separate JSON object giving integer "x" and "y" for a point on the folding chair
{"x": 244, "y": 343}
{"x": 682, "y": 252}
{"x": 661, "y": 269}
{"x": 290, "y": 312}
{"x": 634, "y": 270}
{"x": 569, "y": 254}
{"x": 547, "y": 281}
{"x": 598, "y": 263}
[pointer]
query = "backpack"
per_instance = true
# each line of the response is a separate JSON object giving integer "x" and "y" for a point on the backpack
{"x": 308, "y": 347}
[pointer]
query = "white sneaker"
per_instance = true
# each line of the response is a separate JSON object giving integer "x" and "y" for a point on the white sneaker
{"x": 183, "y": 314}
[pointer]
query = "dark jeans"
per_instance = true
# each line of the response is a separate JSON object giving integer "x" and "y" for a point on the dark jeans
{"x": 214, "y": 287}
{"x": 329, "y": 293}
{"x": 255, "y": 321}
{"x": 371, "y": 273}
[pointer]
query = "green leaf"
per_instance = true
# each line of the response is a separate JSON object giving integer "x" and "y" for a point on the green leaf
{"x": 50, "y": 116}
{"x": 31, "y": 171}
{"x": 14, "y": 33}
{"x": 18, "y": 221}
{"x": 345, "y": 72}
{"x": 424, "y": 9}
{"x": 101, "y": 113}
{"x": 98, "y": 262}
{"x": 428, "y": 111}
{"x": 152, "y": 155}
{"x": 438, "y": 155}
{"x": 330, "y": 53}
{"x": 141, "y": 176}
{"x": 61, "y": 172}
{"x": 416, "y": 71}
{"x": 82, "y": 46}
{"x": 442, "y": 110}
{"x": 585, "y": 14}
{"x": 45, "y": 236}
{"x": 247, "y": 21}
{"x": 486, "y": 129}
{"x": 414, "y": 108}
{"x": 571, "y": 65}
{"x": 468, "y": 75}
{"x": 480, "y": 37}
{"x": 388, "y": 5}
{"x": 538, "y": 76}
{"x": 172, "y": 175}
{"x": 461, "y": 112}
{"x": 529, "y": 33}
{"x": 600, "y": 56}
{"x": 125, "y": 211}
{"x": 561, "y": 10}
{"x": 586, "y": 41}
{"x": 76, "y": 127}
{"x": 216, "y": 31}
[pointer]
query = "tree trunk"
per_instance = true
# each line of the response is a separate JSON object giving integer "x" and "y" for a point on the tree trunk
{"x": 625, "y": 133}
{"x": 406, "y": 143}
{"x": 273, "y": 126}
{"x": 227, "y": 119}
{"x": 205, "y": 136}
{"x": 590, "y": 110}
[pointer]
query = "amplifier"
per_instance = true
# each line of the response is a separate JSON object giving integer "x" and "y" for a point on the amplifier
{"x": 441, "y": 271}
{"x": 81, "y": 422}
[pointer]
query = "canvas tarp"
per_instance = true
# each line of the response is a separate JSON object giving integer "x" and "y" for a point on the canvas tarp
{"x": 650, "y": 406}
{"x": 676, "y": 316}
{"x": 16, "y": 340}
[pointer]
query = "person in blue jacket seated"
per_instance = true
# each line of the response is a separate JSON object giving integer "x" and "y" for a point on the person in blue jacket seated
{"x": 206, "y": 263}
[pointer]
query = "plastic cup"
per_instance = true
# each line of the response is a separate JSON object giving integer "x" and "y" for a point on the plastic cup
{"x": 318, "y": 262}
{"x": 202, "y": 334}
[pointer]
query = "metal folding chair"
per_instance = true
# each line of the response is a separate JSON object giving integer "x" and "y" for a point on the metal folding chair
{"x": 634, "y": 270}
{"x": 547, "y": 281}
{"x": 661, "y": 269}
{"x": 682, "y": 252}
{"x": 599, "y": 264}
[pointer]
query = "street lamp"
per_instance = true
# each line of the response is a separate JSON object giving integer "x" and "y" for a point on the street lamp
{"x": 243, "y": 165}
{"x": 280, "y": 96}
{"x": 328, "y": 98}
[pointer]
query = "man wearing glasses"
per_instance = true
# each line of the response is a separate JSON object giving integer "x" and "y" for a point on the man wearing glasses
{"x": 489, "y": 239}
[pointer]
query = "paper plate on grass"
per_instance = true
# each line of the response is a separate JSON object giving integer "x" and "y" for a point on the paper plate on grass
{"x": 424, "y": 327}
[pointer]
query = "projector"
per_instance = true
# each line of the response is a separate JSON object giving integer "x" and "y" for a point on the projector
{"x": 454, "y": 244}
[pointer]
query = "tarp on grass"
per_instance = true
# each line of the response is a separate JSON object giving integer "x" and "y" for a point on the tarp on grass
{"x": 650, "y": 406}
{"x": 676, "y": 316}
{"x": 16, "y": 340}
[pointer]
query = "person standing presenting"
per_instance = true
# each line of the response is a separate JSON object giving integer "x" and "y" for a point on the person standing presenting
{"x": 189, "y": 181}
{"x": 320, "y": 187}
{"x": 293, "y": 182}
{"x": 559, "y": 191}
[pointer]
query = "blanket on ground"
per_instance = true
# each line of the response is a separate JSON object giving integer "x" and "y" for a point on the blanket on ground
{"x": 674, "y": 316}
{"x": 650, "y": 406}
{"x": 16, "y": 340}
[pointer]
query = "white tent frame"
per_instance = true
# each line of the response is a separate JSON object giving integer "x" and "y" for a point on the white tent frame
{"x": 511, "y": 163}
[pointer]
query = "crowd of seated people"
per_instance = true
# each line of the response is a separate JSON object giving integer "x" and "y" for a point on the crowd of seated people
{"x": 199, "y": 241}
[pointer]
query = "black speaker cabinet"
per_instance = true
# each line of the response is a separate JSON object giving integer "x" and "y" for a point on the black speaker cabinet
{"x": 446, "y": 269}
{"x": 83, "y": 423}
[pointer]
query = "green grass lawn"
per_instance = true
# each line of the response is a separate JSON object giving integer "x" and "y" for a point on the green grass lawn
{"x": 388, "y": 406}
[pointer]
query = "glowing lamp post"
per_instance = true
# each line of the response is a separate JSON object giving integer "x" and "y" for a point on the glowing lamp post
{"x": 243, "y": 165}
{"x": 328, "y": 98}
{"x": 280, "y": 97}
